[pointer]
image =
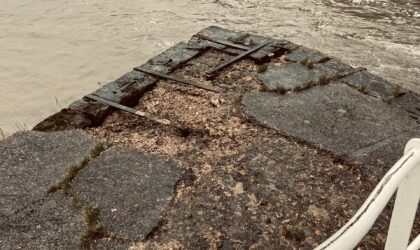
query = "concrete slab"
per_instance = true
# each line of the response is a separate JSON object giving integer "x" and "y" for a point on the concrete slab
{"x": 131, "y": 190}
{"x": 31, "y": 162}
{"x": 336, "y": 117}
{"x": 51, "y": 224}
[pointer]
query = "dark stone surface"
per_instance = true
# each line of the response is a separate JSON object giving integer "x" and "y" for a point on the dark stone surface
{"x": 411, "y": 103}
{"x": 304, "y": 53}
{"x": 64, "y": 120}
{"x": 31, "y": 162}
{"x": 131, "y": 190}
{"x": 50, "y": 224}
{"x": 171, "y": 58}
{"x": 126, "y": 90}
{"x": 297, "y": 76}
{"x": 371, "y": 84}
{"x": 251, "y": 40}
{"x": 84, "y": 112}
{"x": 293, "y": 76}
{"x": 385, "y": 153}
{"x": 336, "y": 117}
{"x": 334, "y": 69}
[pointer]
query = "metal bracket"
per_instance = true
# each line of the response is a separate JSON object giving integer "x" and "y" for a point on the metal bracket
{"x": 184, "y": 81}
{"x": 236, "y": 58}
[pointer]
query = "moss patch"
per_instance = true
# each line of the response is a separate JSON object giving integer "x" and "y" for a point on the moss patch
{"x": 262, "y": 68}
{"x": 294, "y": 233}
{"x": 64, "y": 184}
{"x": 94, "y": 228}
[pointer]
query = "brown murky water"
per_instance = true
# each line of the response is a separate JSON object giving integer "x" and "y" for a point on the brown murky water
{"x": 53, "y": 52}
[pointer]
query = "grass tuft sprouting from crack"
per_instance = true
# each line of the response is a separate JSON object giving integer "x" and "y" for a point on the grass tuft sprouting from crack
{"x": 294, "y": 233}
{"x": 64, "y": 184}
{"x": 262, "y": 68}
{"x": 94, "y": 228}
{"x": 308, "y": 63}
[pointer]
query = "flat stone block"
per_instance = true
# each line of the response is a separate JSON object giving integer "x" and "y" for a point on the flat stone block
{"x": 64, "y": 120}
{"x": 333, "y": 69}
{"x": 336, "y": 117}
{"x": 411, "y": 103}
{"x": 371, "y": 84}
{"x": 171, "y": 58}
{"x": 51, "y": 224}
{"x": 31, "y": 162}
{"x": 304, "y": 53}
{"x": 133, "y": 76}
{"x": 292, "y": 76}
{"x": 93, "y": 110}
{"x": 130, "y": 188}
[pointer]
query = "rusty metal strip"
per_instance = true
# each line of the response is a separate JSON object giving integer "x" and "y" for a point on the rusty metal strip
{"x": 130, "y": 110}
{"x": 227, "y": 43}
{"x": 236, "y": 58}
{"x": 184, "y": 81}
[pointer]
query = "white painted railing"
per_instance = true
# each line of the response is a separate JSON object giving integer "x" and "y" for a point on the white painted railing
{"x": 404, "y": 176}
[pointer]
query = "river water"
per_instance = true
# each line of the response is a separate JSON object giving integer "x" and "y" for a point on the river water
{"x": 53, "y": 52}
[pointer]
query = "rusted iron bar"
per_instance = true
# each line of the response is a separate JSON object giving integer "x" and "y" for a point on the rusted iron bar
{"x": 130, "y": 110}
{"x": 236, "y": 58}
{"x": 227, "y": 43}
{"x": 184, "y": 81}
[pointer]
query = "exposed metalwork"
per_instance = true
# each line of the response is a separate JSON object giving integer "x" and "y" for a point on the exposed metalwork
{"x": 237, "y": 58}
{"x": 184, "y": 81}
{"x": 130, "y": 110}
{"x": 403, "y": 178}
{"x": 227, "y": 43}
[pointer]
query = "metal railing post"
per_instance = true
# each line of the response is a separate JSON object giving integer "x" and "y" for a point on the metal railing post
{"x": 404, "y": 176}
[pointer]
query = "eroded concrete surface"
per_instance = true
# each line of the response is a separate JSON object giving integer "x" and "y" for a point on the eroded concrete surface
{"x": 336, "y": 117}
{"x": 131, "y": 188}
{"x": 59, "y": 190}
{"x": 280, "y": 160}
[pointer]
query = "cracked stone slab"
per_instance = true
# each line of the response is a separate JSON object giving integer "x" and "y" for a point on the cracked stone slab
{"x": 130, "y": 188}
{"x": 371, "y": 84}
{"x": 31, "y": 162}
{"x": 304, "y": 53}
{"x": 336, "y": 117}
{"x": 51, "y": 224}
